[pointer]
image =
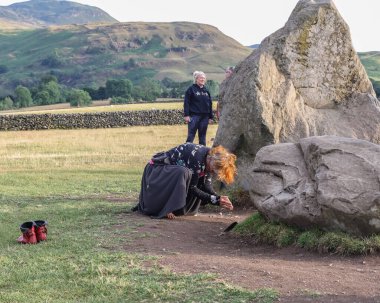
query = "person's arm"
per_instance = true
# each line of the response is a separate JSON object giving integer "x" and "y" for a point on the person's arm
{"x": 204, "y": 191}
{"x": 222, "y": 201}
{"x": 186, "y": 103}
{"x": 208, "y": 188}
{"x": 205, "y": 197}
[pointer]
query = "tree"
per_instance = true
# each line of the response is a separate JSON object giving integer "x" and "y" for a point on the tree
{"x": 54, "y": 91}
{"x": 101, "y": 93}
{"x": 213, "y": 87}
{"x": 79, "y": 97}
{"x": 48, "y": 78}
{"x": 6, "y": 103}
{"x": 42, "y": 97}
{"x": 96, "y": 94}
{"x": 119, "y": 88}
{"x": 151, "y": 89}
{"x": 23, "y": 96}
{"x": 52, "y": 61}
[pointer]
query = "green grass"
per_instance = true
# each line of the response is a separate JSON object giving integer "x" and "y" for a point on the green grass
{"x": 281, "y": 235}
{"x": 71, "y": 179}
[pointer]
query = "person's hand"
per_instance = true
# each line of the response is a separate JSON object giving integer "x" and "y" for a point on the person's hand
{"x": 210, "y": 121}
{"x": 170, "y": 216}
{"x": 187, "y": 119}
{"x": 225, "y": 202}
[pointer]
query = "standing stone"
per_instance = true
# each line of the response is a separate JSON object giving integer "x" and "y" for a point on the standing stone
{"x": 304, "y": 80}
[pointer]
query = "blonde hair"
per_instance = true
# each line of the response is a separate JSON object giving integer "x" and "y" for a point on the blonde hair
{"x": 196, "y": 74}
{"x": 223, "y": 163}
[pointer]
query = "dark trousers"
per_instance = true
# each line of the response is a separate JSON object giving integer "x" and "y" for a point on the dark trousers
{"x": 200, "y": 124}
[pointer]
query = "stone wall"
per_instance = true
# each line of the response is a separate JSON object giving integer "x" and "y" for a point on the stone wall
{"x": 91, "y": 120}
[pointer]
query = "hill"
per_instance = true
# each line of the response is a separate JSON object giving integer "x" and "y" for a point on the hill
{"x": 371, "y": 62}
{"x": 88, "y": 55}
{"x": 37, "y": 13}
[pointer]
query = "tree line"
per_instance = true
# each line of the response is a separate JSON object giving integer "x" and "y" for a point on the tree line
{"x": 119, "y": 91}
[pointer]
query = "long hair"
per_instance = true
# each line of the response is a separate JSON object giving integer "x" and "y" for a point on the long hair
{"x": 223, "y": 163}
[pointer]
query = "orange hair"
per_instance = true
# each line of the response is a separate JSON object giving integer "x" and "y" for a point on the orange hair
{"x": 223, "y": 164}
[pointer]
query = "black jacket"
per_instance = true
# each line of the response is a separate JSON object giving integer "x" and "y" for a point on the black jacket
{"x": 198, "y": 101}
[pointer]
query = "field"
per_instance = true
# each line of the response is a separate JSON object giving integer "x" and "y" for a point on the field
{"x": 82, "y": 182}
{"x": 97, "y": 107}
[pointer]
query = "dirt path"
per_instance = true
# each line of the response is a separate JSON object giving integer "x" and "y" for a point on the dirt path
{"x": 198, "y": 244}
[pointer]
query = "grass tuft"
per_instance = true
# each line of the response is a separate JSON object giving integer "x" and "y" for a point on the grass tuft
{"x": 281, "y": 235}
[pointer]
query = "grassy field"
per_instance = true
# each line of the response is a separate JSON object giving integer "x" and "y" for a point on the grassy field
{"x": 98, "y": 106}
{"x": 75, "y": 179}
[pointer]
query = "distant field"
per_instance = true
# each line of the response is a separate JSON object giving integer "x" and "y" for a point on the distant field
{"x": 97, "y": 106}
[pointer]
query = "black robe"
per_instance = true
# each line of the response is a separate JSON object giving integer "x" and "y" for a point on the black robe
{"x": 175, "y": 182}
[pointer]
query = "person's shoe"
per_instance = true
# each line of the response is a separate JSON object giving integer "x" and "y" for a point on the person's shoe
{"x": 41, "y": 230}
{"x": 28, "y": 233}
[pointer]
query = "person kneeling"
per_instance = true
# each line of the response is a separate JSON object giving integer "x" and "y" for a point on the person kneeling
{"x": 177, "y": 182}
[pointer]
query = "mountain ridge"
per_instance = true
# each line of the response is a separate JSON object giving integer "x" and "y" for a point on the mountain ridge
{"x": 88, "y": 55}
{"x": 38, "y": 13}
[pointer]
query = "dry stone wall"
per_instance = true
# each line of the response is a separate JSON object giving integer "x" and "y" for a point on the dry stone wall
{"x": 91, "y": 120}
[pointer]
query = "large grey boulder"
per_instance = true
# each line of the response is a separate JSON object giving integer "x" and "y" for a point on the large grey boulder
{"x": 304, "y": 80}
{"x": 329, "y": 182}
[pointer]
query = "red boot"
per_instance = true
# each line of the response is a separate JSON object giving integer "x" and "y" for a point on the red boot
{"x": 41, "y": 230}
{"x": 28, "y": 233}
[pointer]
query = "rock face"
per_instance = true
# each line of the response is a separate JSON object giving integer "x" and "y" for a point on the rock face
{"x": 304, "y": 80}
{"x": 330, "y": 182}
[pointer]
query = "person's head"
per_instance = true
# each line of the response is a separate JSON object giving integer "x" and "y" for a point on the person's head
{"x": 222, "y": 163}
{"x": 199, "y": 78}
{"x": 229, "y": 71}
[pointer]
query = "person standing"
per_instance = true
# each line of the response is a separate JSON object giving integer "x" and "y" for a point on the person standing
{"x": 198, "y": 108}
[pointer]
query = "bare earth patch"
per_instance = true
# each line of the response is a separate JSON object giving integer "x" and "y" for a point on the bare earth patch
{"x": 198, "y": 244}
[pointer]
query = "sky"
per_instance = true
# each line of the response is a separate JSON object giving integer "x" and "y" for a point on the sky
{"x": 247, "y": 21}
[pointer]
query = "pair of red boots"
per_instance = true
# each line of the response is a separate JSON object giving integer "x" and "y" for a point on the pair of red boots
{"x": 33, "y": 232}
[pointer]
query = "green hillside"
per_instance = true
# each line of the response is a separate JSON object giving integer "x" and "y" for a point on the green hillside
{"x": 88, "y": 55}
{"x": 53, "y": 12}
{"x": 371, "y": 62}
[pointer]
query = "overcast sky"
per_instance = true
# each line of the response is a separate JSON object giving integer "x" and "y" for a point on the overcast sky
{"x": 247, "y": 21}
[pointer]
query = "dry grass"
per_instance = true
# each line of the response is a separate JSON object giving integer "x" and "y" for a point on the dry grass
{"x": 88, "y": 149}
{"x": 98, "y": 106}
